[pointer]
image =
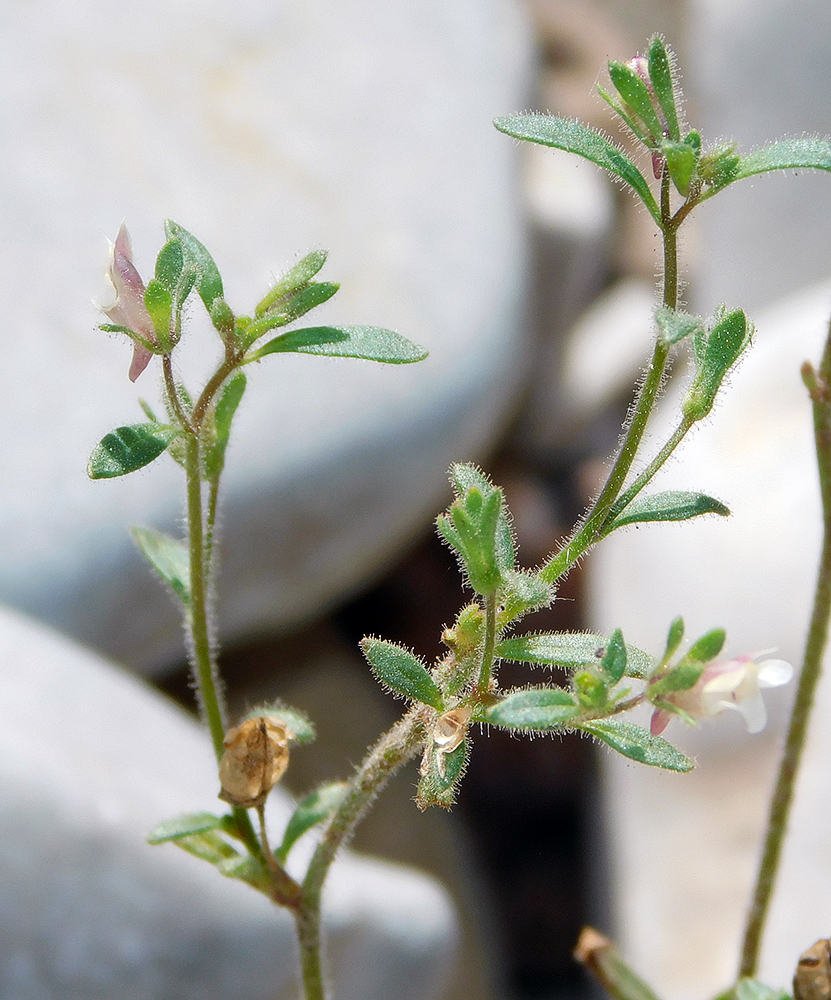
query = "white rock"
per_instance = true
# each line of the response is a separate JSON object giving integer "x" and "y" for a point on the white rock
{"x": 267, "y": 131}
{"x": 758, "y": 72}
{"x": 685, "y": 849}
{"x": 90, "y": 761}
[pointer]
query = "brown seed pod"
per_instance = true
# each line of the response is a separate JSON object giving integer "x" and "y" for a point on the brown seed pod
{"x": 812, "y": 979}
{"x": 450, "y": 729}
{"x": 256, "y": 757}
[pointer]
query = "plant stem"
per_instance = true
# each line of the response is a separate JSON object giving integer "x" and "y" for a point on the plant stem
{"x": 820, "y": 390}
{"x": 203, "y": 661}
{"x": 392, "y": 750}
{"x": 490, "y": 643}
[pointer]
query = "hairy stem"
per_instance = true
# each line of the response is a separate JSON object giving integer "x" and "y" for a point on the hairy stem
{"x": 819, "y": 385}
{"x": 392, "y": 750}
{"x": 591, "y": 529}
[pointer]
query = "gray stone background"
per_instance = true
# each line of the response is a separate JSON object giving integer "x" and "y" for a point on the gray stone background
{"x": 531, "y": 281}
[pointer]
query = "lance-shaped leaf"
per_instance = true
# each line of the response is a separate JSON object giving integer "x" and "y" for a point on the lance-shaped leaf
{"x": 186, "y": 826}
{"x": 169, "y": 558}
{"x": 660, "y": 74}
{"x": 638, "y": 744}
{"x": 534, "y": 709}
{"x": 574, "y": 137}
{"x": 613, "y": 663}
{"x": 674, "y": 636}
{"x": 290, "y": 308}
{"x": 708, "y": 646}
{"x": 524, "y": 591}
{"x": 246, "y": 869}
{"x": 226, "y": 407}
{"x": 805, "y": 153}
{"x": 316, "y": 807}
{"x": 635, "y": 94}
{"x": 170, "y": 263}
{"x": 293, "y": 280}
{"x": 127, "y": 449}
{"x": 570, "y": 649}
{"x": 371, "y": 343}
{"x": 674, "y": 505}
{"x": 195, "y": 255}
{"x": 401, "y": 672}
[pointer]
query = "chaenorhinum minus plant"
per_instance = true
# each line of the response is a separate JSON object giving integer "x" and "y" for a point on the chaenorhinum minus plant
{"x": 593, "y": 680}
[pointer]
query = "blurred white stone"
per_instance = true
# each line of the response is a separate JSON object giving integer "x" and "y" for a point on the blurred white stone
{"x": 267, "y": 130}
{"x": 684, "y": 849}
{"x": 90, "y": 761}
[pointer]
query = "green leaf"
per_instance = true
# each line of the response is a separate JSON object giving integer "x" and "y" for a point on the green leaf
{"x": 475, "y": 518}
{"x": 300, "y": 726}
{"x": 715, "y": 356}
{"x": 524, "y": 591}
{"x": 226, "y": 407}
{"x": 635, "y": 94}
{"x": 185, "y": 826}
{"x": 660, "y": 73}
{"x": 613, "y": 663}
{"x": 127, "y": 449}
{"x": 570, "y": 649}
{"x": 806, "y": 153}
{"x": 313, "y": 809}
{"x": 208, "y": 279}
{"x": 159, "y": 304}
{"x": 466, "y": 477}
{"x": 442, "y": 775}
{"x": 674, "y": 325}
{"x": 681, "y": 678}
{"x": 169, "y": 265}
{"x": 371, "y": 343}
{"x": 402, "y": 672}
{"x": 292, "y": 281}
{"x": 537, "y": 709}
{"x": 674, "y": 636}
{"x": 574, "y": 137}
{"x": 168, "y": 556}
{"x": 674, "y": 505}
{"x": 288, "y": 309}
{"x": 681, "y": 163}
{"x": 638, "y": 744}
{"x": 708, "y": 646}
{"x": 246, "y": 869}
{"x": 751, "y": 989}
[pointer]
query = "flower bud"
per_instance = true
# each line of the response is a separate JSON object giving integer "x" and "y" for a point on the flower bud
{"x": 256, "y": 757}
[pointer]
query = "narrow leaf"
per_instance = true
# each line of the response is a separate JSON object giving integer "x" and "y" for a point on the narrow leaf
{"x": 638, "y": 744}
{"x": 570, "y": 649}
{"x": 805, "y": 153}
{"x": 538, "y": 709}
{"x": 574, "y": 137}
{"x": 293, "y": 280}
{"x": 660, "y": 73}
{"x": 208, "y": 279}
{"x": 247, "y": 869}
{"x": 371, "y": 343}
{"x": 634, "y": 92}
{"x": 708, "y": 646}
{"x": 128, "y": 448}
{"x": 402, "y": 672}
{"x": 674, "y": 636}
{"x": 289, "y": 309}
{"x": 169, "y": 264}
{"x": 226, "y": 407}
{"x": 613, "y": 663}
{"x": 185, "y": 826}
{"x": 313, "y": 809}
{"x": 670, "y": 506}
{"x": 168, "y": 556}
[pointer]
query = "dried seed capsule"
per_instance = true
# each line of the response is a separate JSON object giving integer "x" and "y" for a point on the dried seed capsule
{"x": 255, "y": 758}
{"x": 812, "y": 980}
{"x": 450, "y": 729}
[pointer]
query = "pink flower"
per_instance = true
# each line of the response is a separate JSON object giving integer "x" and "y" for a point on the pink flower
{"x": 732, "y": 684}
{"x": 129, "y": 309}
